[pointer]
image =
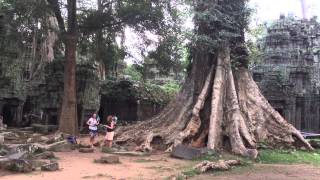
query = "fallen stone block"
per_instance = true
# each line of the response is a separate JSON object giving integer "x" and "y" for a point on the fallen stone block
{"x": 86, "y": 150}
{"x": 53, "y": 166}
{"x": 1, "y": 139}
{"x": 4, "y": 150}
{"x": 9, "y": 136}
{"x": 18, "y": 155}
{"x": 3, "y": 162}
{"x": 107, "y": 150}
{"x": 61, "y": 146}
{"x": 19, "y": 165}
{"x": 36, "y": 164}
{"x": 32, "y": 148}
{"x": 108, "y": 160}
{"x": 43, "y": 139}
{"x": 189, "y": 153}
{"x": 315, "y": 144}
{"x": 51, "y": 141}
{"x": 44, "y": 129}
{"x": 45, "y": 155}
{"x": 29, "y": 129}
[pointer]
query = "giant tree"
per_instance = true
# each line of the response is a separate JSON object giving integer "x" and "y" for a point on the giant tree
{"x": 219, "y": 106}
{"x": 68, "y": 115}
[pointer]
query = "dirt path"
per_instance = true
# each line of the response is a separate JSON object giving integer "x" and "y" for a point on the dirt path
{"x": 76, "y": 166}
{"x": 79, "y": 166}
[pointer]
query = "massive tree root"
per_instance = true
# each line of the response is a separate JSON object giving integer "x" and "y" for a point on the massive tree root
{"x": 240, "y": 116}
{"x": 221, "y": 165}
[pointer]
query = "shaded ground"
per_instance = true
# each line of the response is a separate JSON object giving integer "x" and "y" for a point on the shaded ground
{"x": 75, "y": 165}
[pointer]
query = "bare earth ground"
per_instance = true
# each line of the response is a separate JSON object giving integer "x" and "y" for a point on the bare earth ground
{"x": 268, "y": 172}
{"x": 75, "y": 165}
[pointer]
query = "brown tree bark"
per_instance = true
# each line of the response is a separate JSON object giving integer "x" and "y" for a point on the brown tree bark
{"x": 68, "y": 118}
{"x": 99, "y": 38}
{"x": 68, "y": 122}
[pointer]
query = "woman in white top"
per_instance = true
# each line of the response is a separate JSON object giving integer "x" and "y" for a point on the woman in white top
{"x": 93, "y": 127}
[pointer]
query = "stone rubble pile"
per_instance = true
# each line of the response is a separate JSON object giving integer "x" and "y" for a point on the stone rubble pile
{"x": 24, "y": 151}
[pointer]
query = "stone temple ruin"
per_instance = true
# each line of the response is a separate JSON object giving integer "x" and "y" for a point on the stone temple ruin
{"x": 31, "y": 87}
{"x": 289, "y": 74}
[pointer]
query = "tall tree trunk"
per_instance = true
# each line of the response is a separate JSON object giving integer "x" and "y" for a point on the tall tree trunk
{"x": 99, "y": 40}
{"x": 219, "y": 106}
{"x": 68, "y": 118}
{"x": 68, "y": 122}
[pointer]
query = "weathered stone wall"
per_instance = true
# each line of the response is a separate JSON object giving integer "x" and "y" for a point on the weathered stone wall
{"x": 12, "y": 86}
{"x": 38, "y": 102}
{"x": 48, "y": 95}
{"x": 289, "y": 75}
{"x": 131, "y": 101}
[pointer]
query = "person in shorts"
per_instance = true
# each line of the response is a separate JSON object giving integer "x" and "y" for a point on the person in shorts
{"x": 110, "y": 131}
{"x": 93, "y": 127}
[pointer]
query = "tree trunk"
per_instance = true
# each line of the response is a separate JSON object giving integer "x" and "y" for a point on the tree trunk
{"x": 68, "y": 122}
{"x": 99, "y": 47}
{"x": 68, "y": 117}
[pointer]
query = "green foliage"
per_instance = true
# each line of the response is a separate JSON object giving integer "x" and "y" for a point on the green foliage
{"x": 111, "y": 18}
{"x": 253, "y": 42}
{"x": 134, "y": 74}
{"x": 23, "y": 17}
{"x": 171, "y": 88}
{"x": 191, "y": 172}
{"x": 220, "y": 22}
{"x": 289, "y": 157}
{"x": 168, "y": 54}
{"x": 128, "y": 90}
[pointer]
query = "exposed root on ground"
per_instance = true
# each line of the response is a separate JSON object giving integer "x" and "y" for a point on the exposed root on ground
{"x": 221, "y": 165}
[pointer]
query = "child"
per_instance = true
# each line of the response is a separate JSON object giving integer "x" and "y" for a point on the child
{"x": 110, "y": 131}
{"x": 93, "y": 127}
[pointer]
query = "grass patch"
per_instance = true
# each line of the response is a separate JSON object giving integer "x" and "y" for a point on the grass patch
{"x": 266, "y": 156}
{"x": 213, "y": 156}
{"x": 289, "y": 157}
{"x": 191, "y": 172}
{"x": 147, "y": 160}
{"x": 100, "y": 175}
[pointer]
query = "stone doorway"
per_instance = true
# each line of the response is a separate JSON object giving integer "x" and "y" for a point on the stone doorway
{"x": 8, "y": 115}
